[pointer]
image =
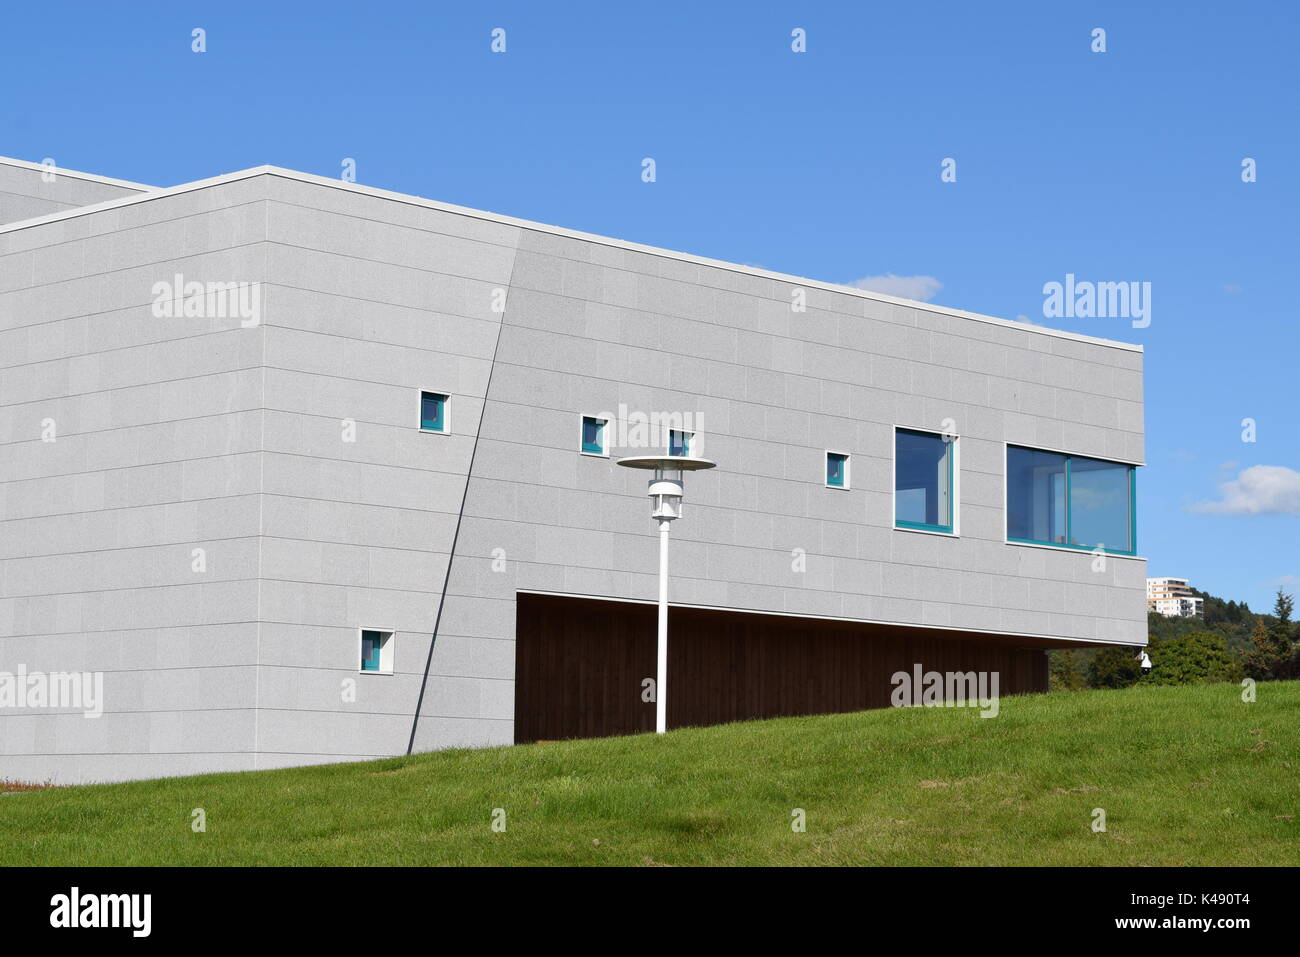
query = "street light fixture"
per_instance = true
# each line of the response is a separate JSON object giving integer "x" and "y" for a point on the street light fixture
{"x": 665, "y": 505}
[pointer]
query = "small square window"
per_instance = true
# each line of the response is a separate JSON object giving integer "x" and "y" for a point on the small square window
{"x": 593, "y": 435}
{"x": 680, "y": 442}
{"x": 376, "y": 652}
{"x": 837, "y": 470}
{"x": 433, "y": 412}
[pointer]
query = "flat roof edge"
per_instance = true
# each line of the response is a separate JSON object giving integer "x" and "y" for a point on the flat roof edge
{"x": 74, "y": 174}
{"x": 375, "y": 192}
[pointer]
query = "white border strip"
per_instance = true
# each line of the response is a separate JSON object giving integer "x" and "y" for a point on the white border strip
{"x": 73, "y": 174}
{"x": 852, "y": 621}
{"x": 567, "y": 233}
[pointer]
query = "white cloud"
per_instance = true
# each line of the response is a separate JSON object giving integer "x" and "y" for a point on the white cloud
{"x": 904, "y": 287}
{"x": 1258, "y": 490}
{"x": 1232, "y": 288}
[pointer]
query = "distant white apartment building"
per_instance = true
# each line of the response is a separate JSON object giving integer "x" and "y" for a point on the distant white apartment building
{"x": 1173, "y": 598}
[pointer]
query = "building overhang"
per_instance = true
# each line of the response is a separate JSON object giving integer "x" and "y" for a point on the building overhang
{"x": 875, "y": 628}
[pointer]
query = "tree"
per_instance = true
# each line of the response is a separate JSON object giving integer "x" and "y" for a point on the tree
{"x": 1198, "y": 658}
{"x": 1272, "y": 653}
{"x": 1114, "y": 668}
{"x": 1281, "y": 632}
{"x": 1066, "y": 672}
{"x": 1260, "y": 659}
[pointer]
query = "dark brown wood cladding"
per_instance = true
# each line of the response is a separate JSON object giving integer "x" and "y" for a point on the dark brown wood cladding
{"x": 580, "y": 665}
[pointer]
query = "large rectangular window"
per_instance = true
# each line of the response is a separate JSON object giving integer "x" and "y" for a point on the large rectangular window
{"x": 923, "y": 481}
{"x": 1069, "y": 500}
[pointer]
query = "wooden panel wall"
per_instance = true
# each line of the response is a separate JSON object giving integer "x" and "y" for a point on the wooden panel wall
{"x": 580, "y": 666}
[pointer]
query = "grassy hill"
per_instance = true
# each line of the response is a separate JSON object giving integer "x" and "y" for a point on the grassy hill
{"x": 1186, "y": 775}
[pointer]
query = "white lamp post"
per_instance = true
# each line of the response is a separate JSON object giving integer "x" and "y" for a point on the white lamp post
{"x": 666, "y": 505}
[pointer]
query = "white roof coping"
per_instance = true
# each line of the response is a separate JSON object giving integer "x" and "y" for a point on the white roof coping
{"x": 161, "y": 193}
{"x": 72, "y": 174}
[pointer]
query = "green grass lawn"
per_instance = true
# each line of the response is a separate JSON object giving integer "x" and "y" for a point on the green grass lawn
{"x": 1186, "y": 776}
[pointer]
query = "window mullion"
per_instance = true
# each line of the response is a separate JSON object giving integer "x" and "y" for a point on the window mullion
{"x": 1069, "y": 532}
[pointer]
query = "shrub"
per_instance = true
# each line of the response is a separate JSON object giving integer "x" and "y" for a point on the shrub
{"x": 1114, "y": 668}
{"x": 1199, "y": 658}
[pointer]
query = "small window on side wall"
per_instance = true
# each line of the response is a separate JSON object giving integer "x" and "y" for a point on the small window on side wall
{"x": 681, "y": 442}
{"x": 837, "y": 470}
{"x": 923, "y": 481}
{"x": 593, "y": 435}
{"x": 376, "y": 652}
{"x": 434, "y": 412}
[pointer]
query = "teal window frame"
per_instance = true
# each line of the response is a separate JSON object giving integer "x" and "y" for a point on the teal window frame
{"x": 843, "y": 459}
{"x": 598, "y": 447}
{"x": 439, "y": 422}
{"x": 950, "y": 528}
{"x": 1069, "y": 504}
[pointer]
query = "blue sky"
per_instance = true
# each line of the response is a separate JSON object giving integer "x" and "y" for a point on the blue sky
{"x": 1123, "y": 165}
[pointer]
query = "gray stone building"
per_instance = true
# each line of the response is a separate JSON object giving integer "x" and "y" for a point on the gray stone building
{"x": 297, "y": 467}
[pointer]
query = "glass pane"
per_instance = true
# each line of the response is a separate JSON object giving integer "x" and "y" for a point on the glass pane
{"x": 370, "y": 647}
{"x": 835, "y": 468}
{"x": 431, "y": 408}
{"x": 592, "y": 438}
{"x": 1036, "y": 496}
{"x": 922, "y": 479}
{"x": 1100, "y": 509}
{"x": 679, "y": 442}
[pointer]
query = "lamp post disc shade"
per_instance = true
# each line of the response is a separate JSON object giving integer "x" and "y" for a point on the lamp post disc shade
{"x": 684, "y": 462}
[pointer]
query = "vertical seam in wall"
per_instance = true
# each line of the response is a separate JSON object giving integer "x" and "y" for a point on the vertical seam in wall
{"x": 261, "y": 499}
{"x": 460, "y": 515}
